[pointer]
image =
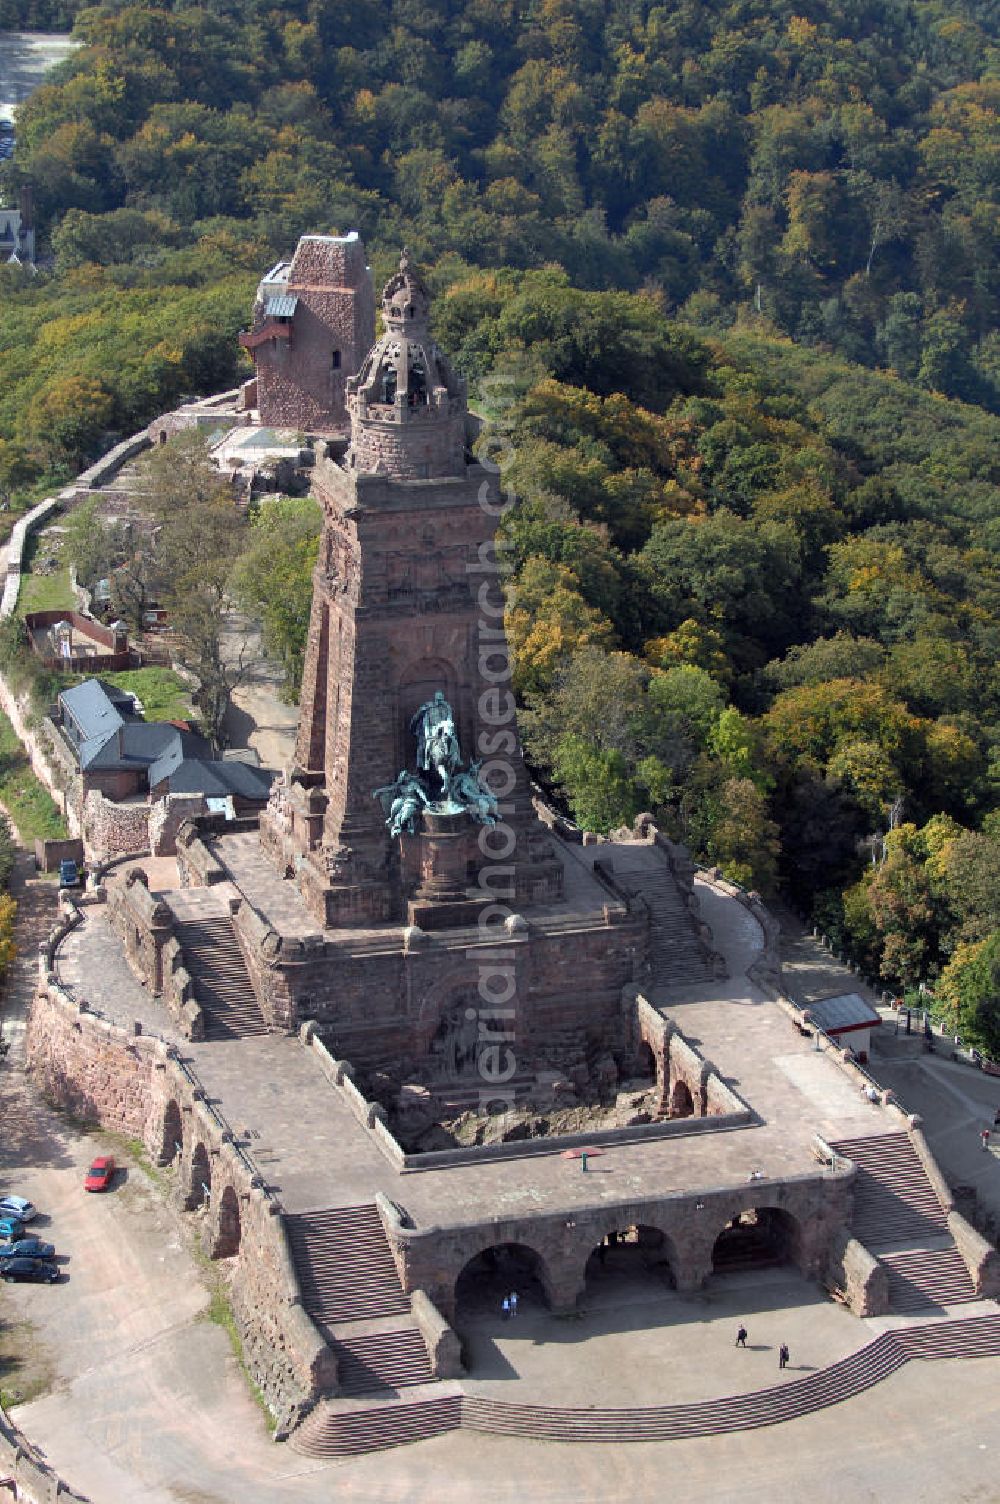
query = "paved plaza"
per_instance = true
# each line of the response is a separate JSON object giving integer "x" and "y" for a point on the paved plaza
{"x": 273, "y": 1085}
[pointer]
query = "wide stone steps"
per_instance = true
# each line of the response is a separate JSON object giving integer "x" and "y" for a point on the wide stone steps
{"x": 894, "y": 1201}
{"x": 927, "y": 1277}
{"x": 345, "y": 1266}
{"x": 222, "y": 983}
{"x": 333, "y": 1430}
{"x": 384, "y": 1360}
{"x": 966, "y": 1337}
{"x": 675, "y": 952}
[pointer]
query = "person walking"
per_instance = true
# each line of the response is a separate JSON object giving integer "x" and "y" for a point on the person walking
{"x": 741, "y": 1336}
{"x": 513, "y": 1304}
{"x": 783, "y": 1355}
{"x": 505, "y": 1307}
{"x": 984, "y": 1139}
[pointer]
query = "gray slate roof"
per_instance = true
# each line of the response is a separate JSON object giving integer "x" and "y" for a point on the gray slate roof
{"x": 843, "y": 1012}
{"x": 92, "y": 709}
{"x": 181, "y": 759}
{"x": 218, "y": 779}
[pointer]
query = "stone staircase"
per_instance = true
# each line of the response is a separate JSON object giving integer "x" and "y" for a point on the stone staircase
{"x": 348, "y": 1276}
{"x": 382, "y": 1360}
{"x": 924, "y": 1277}
{"x": 367, "y": 1428}
{"x": 896, "y": 1204}
{"x": 347, "y": 1430}
{"x": 676, "y": 954}
{"x": 345, "y": 1267}
{"x": 222, "y": 983}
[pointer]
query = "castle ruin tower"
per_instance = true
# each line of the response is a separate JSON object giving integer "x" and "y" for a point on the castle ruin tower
{"x": 407, "y": 617}
{"x": 313, "y": 320}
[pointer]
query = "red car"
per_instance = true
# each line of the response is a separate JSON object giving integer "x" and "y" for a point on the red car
{"x": 101, "y": 1174}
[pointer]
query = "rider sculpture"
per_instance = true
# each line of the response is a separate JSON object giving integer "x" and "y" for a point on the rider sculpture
{"x": 438, "y": 752}
{"x": 437, "y": 742}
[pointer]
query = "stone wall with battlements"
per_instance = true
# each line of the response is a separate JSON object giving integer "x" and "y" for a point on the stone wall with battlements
{"x": 408, "y": 445}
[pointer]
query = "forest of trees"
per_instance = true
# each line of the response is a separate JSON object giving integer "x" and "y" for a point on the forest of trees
{"x": 733, "y": 269}
{"x": 833, "y": 164}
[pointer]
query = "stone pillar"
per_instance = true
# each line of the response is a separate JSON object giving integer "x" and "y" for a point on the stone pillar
{"x": 446, "y": 845}
{"x": 564, "y": 1282}
{"x": 692, "y": 1273}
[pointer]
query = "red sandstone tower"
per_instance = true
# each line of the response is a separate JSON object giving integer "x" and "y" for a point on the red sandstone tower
{"x": 313, "y": 320}
{"x": 406, "y": 602}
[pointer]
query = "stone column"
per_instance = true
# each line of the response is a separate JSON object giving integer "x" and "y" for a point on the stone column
{"x": 564, "y": 1282}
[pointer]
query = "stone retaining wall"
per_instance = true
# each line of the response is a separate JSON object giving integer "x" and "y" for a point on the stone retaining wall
{"x": 678, "y": 1062}
{"x": 730, "y": 1111}
{"x": 143, "y": 923}
{"x": 858, "y": 1276}
{"x": 113, "y": 829}
{"x": 135, "y": 1085}
{"x": 981, "y": 1258}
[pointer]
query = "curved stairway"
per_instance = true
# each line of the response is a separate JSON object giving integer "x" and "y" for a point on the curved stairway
{"x": 345, "y": 1432}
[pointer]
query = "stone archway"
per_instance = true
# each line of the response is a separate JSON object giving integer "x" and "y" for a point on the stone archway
{"x": 646, "y": 1067}
{"x": 494, "y": 1272}
{"x": 172, "y": 1140}
{"x": 200, "y": 1183}
{"x": 681, "y": 1100}
{"x": 762, "y": 1237}
{"x": 228, "y": 1229}
{"x": 630, "y": 1258}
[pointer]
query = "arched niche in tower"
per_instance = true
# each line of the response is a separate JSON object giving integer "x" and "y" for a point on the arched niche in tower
{"x": 417, "y": 684}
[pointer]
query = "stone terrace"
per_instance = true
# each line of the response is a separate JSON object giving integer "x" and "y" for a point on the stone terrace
{"x": 274, "y": 1086}
{"x": 280, "y": 903}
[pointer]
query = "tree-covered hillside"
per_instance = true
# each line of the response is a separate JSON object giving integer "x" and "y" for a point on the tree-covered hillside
{"x": 832, "y": 164}
{"x": 724, "y": 271}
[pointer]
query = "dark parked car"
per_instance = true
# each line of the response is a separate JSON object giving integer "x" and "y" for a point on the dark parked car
{"x": 69, "y": 873}
{"x": 11, "y": 1229}
{"x": 27, "y": 1248}
{"x": 39, "y": 1270}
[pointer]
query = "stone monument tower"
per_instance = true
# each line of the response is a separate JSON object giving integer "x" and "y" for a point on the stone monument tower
{"x": 408, "y": 792}
{"x": 313, "y": 320}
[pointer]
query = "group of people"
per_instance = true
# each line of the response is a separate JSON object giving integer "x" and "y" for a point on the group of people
{"x": 509, "y": 1306}
{"x": 783, "y": 1353}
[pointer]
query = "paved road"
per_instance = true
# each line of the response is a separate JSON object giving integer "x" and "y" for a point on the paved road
{"x": 25, "y": 58}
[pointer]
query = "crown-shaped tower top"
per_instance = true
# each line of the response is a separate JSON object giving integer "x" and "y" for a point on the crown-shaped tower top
{"x": 406, "y": 302}
{"x": 407, "y": 406}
